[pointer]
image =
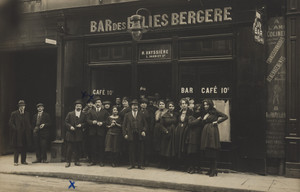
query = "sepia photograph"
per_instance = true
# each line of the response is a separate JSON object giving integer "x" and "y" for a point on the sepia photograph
{"x": 150, "y": 95}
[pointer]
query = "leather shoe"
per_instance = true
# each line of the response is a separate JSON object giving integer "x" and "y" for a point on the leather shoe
{"x": 45, "y": 161}
{"x": 91, "y": 164}
{"x": 101, "y": 164}
{"x": 140, "y": 167}
{"x": 131, "y": 167}
{"x": 36, "y": 161}
{"x": 25, "y": 163}
{"x": 15, "y": 164}
{"x": 68, "y": 165}
{"x": 77, "y": 164}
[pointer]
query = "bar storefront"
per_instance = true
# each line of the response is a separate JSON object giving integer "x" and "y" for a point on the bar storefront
{"x": 190, "y": 49}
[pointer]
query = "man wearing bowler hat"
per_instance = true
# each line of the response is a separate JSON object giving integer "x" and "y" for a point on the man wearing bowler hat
{"x": 75, "y": 123}
{"x": 41, "y": 132}
{"x": 20, "y": 130}
{"x": 97, "y": 131}
{"x": 134, "y": 131}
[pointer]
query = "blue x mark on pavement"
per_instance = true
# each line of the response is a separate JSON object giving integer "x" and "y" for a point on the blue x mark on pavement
{"x": 72, "y": 184}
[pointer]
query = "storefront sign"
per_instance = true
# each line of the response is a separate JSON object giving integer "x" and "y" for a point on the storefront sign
{"x": 257, "y": 29}
{"x": 276, "y": 86}
{"x": 213, "y": 15}
{"x": 102, "y": 92}
{"x": 207, "y": 91}
{"x": 155, "y": 51}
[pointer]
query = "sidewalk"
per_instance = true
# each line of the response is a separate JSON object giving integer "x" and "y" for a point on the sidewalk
{"x": 153, "y": 177}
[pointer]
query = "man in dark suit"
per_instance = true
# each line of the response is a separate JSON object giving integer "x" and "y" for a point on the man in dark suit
{"x": 41, "y": 132}
{"x": 97, "y": 132}
{"x": 20, "y": 130}
{"x": 75, "y": 122}
{"x": 134, "y": 131}
{"x": 150, "y": 124}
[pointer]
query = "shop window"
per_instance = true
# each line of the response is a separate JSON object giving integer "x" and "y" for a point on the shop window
{"x": 205, "y": 47}
{"x": 109, "y": 53}
{"x": 209, "y": 80}
{"x": 111, "y": 81}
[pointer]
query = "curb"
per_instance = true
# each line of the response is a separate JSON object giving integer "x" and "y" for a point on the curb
{"x": 129, "y": 181}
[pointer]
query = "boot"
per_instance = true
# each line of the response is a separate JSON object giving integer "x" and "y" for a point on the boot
{"x": 214, "y": 171}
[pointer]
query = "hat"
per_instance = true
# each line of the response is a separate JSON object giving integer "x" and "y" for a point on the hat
{"x": 21, "y": 103}
{"x": 144, "y": 100}
{"x": 106, "y": 102}
{"x": 78, "y": 102}
{"x": 39, "y": 104}
{"x": 134, "y": 101}
{"x": 97, "y": 98}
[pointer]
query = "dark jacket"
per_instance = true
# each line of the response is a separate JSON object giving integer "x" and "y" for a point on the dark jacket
{"x": 128, "y": 125}
{"x": 45, "y": 119}
{"x": 71, "y": 120}
{"x": 20, "y": 129}
{"x": 100, "y": 116}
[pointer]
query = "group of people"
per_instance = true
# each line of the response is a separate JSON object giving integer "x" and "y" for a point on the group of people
{"x": 141, "y": 130}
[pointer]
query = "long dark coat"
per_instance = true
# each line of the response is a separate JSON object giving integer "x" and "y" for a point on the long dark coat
{"x": 168, "y": 124}
{"x": 127, "y": 125}
{"x": 20, "y": 129}
{"x": 157, "y": 134}
{"x": 210, "y": 138}
{"x": 181, "y": 132}
{"x": 193, "y": 136}
{"x": 150, "y": 124}
{"x": 45, "y": 119}
{"x": 72, "y": 120}
{"x": 100, "y": 116}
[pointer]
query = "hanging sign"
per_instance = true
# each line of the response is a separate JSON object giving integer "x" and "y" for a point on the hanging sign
{"x": 257, "y": 29}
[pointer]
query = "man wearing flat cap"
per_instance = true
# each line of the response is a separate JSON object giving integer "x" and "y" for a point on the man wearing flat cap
{"x": 75, "y": 123}
{"x": 134, "y": 131}
{"x": 97, "y": 131}
{"x": 20, "y": 129}
{"x": 41, "y": 131}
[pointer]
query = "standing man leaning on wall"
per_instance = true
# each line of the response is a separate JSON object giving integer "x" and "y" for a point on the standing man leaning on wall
{"x": 20, "y": 130}
{"x": 41, "y": 123}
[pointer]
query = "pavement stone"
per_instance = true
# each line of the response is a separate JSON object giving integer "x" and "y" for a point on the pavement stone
{"x": 153, "y": 177}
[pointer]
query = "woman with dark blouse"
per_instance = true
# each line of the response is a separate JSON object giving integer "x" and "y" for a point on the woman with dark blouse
{"x": 210, "y": 138}
{"x": 193, "y": 139}
{"x": 181, "y": 130}
{"x": 168, "y": 123}
{"x": 157, "y": 128}
{"x": 113, "y": 140}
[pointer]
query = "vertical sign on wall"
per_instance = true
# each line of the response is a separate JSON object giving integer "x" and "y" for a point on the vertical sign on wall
{"x": 276, "y": 88}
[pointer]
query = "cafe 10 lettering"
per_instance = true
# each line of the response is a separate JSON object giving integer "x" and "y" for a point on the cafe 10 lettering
{"x": 163, "y": 20}
{"x": 206, "y": 90}
{"x": 102, "y": 92}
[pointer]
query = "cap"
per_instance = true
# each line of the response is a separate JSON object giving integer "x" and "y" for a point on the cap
{"x": 106, "y": 102}
{"x": 21, "y": 103}
{"x": 39, "y": 104}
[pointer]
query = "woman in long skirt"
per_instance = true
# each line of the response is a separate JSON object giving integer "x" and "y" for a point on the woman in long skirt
{"x": 193, "y": 140}
{"x": 210, "y": 138}
{"x": 168, "y": 124}
{"x": 181, "y": 130}
{"x": 157, "y": 128}
{"x": 113, "y": 140}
